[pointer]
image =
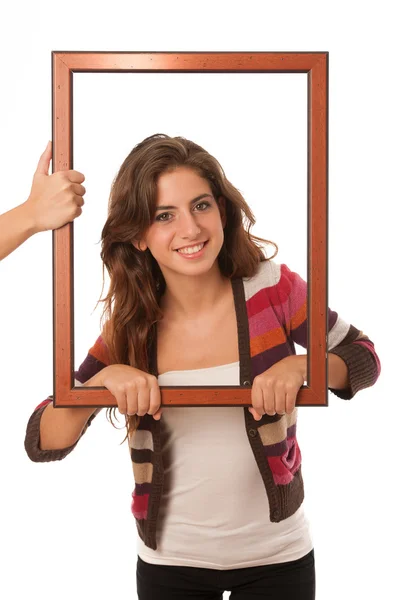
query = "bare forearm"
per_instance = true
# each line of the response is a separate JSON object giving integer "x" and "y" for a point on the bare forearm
{"x": 338, "y": 373}
{"x": 61, "y": 427}
{"x": 16, "y": 226}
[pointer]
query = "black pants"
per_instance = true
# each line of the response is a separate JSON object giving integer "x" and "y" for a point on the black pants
{"x": 293, "y": 580}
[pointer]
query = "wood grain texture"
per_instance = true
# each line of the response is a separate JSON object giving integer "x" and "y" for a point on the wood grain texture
{"x": 64, "y": 64}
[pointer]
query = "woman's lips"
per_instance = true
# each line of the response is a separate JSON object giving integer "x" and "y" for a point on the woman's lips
{"x": 195, "y": 254}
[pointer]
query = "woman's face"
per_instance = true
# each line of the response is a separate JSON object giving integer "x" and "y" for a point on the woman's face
{"x": 180, "y": 221}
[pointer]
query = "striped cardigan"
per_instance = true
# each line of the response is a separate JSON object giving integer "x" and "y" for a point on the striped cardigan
{"x": 271, "y": 312}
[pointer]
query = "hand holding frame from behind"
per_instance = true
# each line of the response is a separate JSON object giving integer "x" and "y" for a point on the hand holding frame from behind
{"x": 55, "y": 199}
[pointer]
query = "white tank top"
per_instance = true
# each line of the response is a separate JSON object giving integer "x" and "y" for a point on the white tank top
{"x": 214, "y": 510}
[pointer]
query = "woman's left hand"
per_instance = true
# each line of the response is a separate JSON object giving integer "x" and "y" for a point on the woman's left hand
{"x": 275, "y": 390}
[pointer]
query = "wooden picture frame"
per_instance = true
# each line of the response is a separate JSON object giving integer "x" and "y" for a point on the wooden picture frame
{"x": 315, "y": 65}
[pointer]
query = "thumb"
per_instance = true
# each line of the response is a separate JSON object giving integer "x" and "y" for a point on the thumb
{"x": 157, "y": 415}
{"x": 44, "y": 161}
{"x": 256, "y": 416}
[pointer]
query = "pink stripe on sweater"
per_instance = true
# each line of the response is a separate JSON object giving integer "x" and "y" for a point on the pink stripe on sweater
{"x": 47, "y": 401}
{"x": 370, "y": 346}
{"x": 139, "y": 505}
{"x": 297, "y": 291}
{"x": 262, "y": 322}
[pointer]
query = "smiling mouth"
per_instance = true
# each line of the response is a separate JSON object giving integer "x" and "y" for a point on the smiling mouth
{"x": 188, "y": 247}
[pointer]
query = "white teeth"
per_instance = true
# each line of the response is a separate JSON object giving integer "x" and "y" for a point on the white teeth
{"x": 191, "y": 250}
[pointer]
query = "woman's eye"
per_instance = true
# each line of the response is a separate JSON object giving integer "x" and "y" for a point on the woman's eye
{"x": 166, "y": 213}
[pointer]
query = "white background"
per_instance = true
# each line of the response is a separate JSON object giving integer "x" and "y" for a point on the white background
{"x": 254, "y": 124}
{"x": 66, "y": 527}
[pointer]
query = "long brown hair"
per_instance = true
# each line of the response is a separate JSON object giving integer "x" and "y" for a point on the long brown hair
{"x": 136, "y": 282}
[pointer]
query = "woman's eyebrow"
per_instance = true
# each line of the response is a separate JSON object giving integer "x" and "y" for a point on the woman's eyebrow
{"x": 165, "y": 207}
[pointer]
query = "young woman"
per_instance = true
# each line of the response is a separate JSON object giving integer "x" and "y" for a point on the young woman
{"x": 54, "y": 200}
{"x": 193, "y": 301}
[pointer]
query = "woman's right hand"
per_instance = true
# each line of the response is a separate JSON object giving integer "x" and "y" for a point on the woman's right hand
{"x": 55, "y": 199}
{"x": 136, "y": 391}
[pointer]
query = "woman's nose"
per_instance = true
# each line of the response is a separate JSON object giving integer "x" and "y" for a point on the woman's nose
{"x": 188, "y": 226}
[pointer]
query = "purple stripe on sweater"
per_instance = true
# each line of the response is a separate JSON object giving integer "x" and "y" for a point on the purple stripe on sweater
{"x": 276, "y": 449}
{"x": 264, "y": 360}
{"x": 332, "y": 318}
{"x": 299, "y": 335}
{"x": 89, "y": 368}
{"x": 142, "y": 488}
{"x": 280, "y": 448}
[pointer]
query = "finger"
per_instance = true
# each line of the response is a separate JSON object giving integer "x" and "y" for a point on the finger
{"x": 78, "y": 189}
{"x": 131, "y": 399}
{"x": 75, "y": 176}
{"x": 269, "y": 398}
{"x": 44, "y": 161}
{"x": 143, "y": 396}
{"x": 77, "y": 213}
{"x": 79, "y": 201}
{"x": 155, "y": 399}
{"x": 255, "y": 414}
{"x": 280, "y": 397}
{"x": 157, "y": 415}
{"x": 257, "y": 400}
{"x": 121, "y": 400}
{"x": 291, "y": 397}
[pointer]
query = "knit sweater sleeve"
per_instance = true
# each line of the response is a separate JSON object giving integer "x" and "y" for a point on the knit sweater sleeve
{"x": 344, "y": 339}
{"x": 95, "y": 361}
